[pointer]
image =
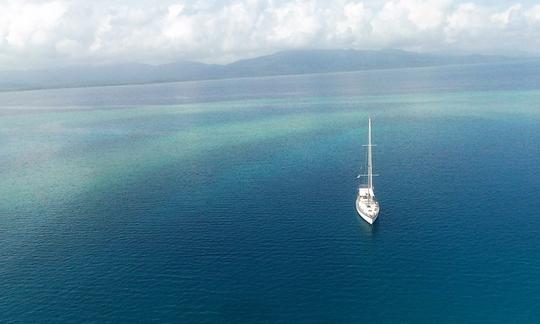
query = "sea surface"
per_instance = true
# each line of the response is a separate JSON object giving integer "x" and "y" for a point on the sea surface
{"x": 232, "y": 201}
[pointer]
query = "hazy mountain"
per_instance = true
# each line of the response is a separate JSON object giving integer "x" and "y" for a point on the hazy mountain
{"x": 319, "y": 61}
{"x": 281, "y": 63}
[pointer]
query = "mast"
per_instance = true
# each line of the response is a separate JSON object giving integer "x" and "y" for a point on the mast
{"x": 370, "y": 162}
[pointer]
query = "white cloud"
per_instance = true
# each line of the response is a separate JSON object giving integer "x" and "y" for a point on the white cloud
{"x": 467, "y": 21}
{"x": 408, "y": 22}
{"x": 506, "y": 17}
{"x": 41, "y": 33}
{"x": 533, "y": 16}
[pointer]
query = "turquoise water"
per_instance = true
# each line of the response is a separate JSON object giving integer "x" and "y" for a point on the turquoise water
{"x": 233, "y": 200}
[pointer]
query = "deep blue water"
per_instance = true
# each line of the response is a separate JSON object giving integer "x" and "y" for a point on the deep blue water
{"x": 233, "y": 200}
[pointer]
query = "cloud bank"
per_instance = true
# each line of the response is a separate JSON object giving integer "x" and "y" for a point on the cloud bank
{"x": 38, "y": 33}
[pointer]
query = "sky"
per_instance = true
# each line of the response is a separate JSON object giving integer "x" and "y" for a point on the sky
{"x": 47, "y": 33}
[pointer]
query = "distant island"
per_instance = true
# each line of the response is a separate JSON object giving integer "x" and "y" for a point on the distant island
{"x": 280, "y": 63}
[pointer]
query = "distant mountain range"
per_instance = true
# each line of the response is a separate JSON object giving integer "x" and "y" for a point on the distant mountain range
{"x": 281, "y": 63}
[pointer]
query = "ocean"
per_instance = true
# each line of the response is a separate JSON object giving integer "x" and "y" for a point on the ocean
{"x": 232, "y": 201}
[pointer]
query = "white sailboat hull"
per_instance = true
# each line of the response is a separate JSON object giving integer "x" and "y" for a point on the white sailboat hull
{"x": 366, "y": 206}
{"x": 366, "y": 218}
{"x": 370, "y": 218}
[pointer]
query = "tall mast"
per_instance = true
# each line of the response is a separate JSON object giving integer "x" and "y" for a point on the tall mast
{"x": 370, "y": 162}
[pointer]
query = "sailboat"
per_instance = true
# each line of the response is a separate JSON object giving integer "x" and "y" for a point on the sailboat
{"x": 366, "y": 204}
